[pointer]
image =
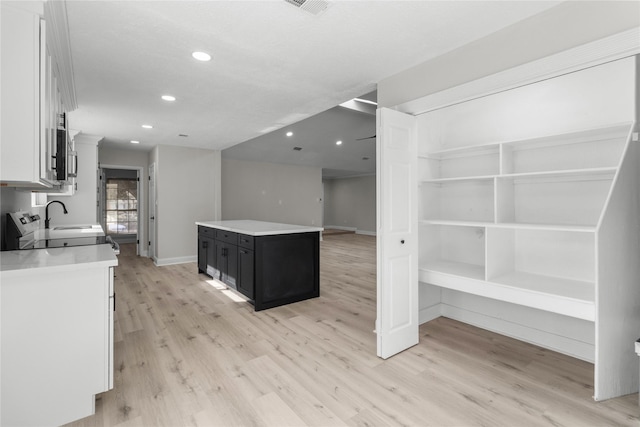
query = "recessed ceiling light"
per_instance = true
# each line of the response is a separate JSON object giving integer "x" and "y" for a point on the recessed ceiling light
{"x": 338, "y": 142}
{"x": 289, "y": 133}
{"x": 135, "y": 142}
{"x": 147, "y": 126}
{"x": 168, "y": 98}
{"x": 201, "y": 56}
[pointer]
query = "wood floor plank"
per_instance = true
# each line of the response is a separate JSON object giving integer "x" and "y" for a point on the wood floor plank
{"x": 187, "y": 354}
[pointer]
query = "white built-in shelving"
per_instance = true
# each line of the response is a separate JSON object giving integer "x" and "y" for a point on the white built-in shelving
{"x": 528, "y": 213}
{"x": 517, "y": 220}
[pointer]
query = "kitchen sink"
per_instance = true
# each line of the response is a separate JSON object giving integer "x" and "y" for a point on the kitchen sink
{"x": 73, "y": 227}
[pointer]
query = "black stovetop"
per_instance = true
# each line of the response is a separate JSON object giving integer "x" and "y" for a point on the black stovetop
{"x": 62, "y": 243}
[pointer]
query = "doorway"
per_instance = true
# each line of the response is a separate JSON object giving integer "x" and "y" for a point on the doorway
{"x": 120, "y": 197}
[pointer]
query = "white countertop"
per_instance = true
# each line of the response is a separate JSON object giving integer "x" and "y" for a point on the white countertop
{"x": 69, "y": 232}
{"x": 258, "y": 228}
{"x": 22, "y": 263}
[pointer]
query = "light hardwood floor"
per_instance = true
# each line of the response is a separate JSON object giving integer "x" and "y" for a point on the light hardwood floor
{"x": 187, "y": 353}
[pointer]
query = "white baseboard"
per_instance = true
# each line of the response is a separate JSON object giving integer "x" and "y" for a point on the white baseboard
{"x": 354, "y": 229}
{"x": 429, "y": 313}
{"x": 561, "y": 344}
{"x": 159, "y": 262}
{"x": 339, "y": 227}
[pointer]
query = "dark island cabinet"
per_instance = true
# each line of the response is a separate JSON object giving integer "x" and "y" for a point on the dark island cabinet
{"x": 246, "y": 263}
{"x": 246, "y": 272}
{"x": 207, "y": 256}
{"x": 227, "y": 259}
{"x": 270, "y": 270}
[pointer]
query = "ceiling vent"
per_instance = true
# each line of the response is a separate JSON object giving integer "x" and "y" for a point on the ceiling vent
{"x": 312, "y": 6}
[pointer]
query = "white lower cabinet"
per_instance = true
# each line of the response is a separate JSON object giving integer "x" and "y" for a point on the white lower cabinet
{"x": 57, "y": 344}
{"x": 529, "y": 216}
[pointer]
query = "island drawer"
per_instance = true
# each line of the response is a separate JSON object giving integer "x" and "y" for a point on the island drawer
{"x": 206, "y": 231}
{"x": 245, "y": 241}
{"x": 227, "y": 236}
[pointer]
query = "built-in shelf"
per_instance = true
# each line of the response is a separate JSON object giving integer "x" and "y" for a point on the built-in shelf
{"x": 516, "y": 221}
{"x": 464, "y": 200}
{"x": 523, "y": 226}
{"x": 463, "y": 269}
{"x": 570, "y": 298}
{"x": 527, "y": 205}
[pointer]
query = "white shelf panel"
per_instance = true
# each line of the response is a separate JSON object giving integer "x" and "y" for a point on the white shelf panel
{"x": 463, "y": 269}
{"x": 608, "y": 132}
{"x": 611, "y": 131}
{"x": 461, "y": 151}
{"x": 557, "y": 286}
{"x": 530, "y": 293}
{"x": 513, "y": 225}
{"x": 546, "y": 227}
{"x": 458, "y": 178}
{"x": 590, "y": 172}
{"x": 605, "y": 171}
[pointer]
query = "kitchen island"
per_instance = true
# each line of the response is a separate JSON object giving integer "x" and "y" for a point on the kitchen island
{"x": 271, "y": 264}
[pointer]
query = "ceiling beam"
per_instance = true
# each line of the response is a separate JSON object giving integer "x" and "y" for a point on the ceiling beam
{"x": 362, "y": 107}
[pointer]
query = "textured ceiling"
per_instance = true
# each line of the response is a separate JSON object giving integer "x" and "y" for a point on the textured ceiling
{"x": 273, "y": 65}
{"x": 316, "y": 137}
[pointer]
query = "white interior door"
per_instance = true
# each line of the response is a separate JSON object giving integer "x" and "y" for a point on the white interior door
{"x": 397, "y": 235}
{"x": 152, "y": 211}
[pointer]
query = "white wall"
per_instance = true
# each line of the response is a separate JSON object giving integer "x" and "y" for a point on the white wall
{"x": 82, "y": 205}
{"x": 13, "y": 199}
{"x": 351, "y": 203}
{"x": 188, "y": 190}
{"x": 271, "y": 192}
{"x": 567, "y": 25}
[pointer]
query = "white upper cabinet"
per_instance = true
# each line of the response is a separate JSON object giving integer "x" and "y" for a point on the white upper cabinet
{"x": 31, "y": 97}
{"x": 23, "y": 98}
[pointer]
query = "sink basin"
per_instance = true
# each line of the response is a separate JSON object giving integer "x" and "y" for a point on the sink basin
{"x": 73, "y": 227}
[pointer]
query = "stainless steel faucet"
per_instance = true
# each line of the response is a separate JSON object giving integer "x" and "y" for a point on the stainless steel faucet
{"x": 46, "y": 212}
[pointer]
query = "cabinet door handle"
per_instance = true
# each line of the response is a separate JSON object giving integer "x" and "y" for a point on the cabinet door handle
{"x": 402, "y": 241}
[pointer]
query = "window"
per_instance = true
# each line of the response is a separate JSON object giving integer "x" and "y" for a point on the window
{"x": 122, "y": 206}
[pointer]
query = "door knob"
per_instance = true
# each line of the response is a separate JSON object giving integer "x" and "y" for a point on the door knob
{"x": 402, "y": 241}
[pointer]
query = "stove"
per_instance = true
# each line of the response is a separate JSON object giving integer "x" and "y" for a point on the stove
{"x": 22, "y": 231}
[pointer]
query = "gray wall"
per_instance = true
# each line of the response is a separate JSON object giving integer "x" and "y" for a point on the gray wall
{"x": 351, "y": 202}
{"x": 188, "y": 190}
{"x": 567, "y": 25}
{"x": 13, "y": 199}
{"x": 271, "y": 192}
